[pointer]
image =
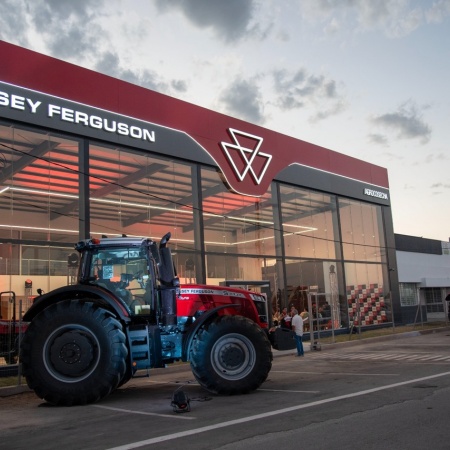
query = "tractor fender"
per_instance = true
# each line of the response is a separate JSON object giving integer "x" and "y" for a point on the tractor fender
{"x": 99, "y": 295}
{"x": 204, "y": 318}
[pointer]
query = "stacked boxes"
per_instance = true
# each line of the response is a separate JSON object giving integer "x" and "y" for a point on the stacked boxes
{"x": 370, "y": 302}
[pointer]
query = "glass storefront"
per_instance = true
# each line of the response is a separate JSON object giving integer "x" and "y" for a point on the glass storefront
{"x": 56, "y": 189}
{"x": 364, "y": 253}
{"x": 39, "y": 219}
{"x": 238, "y": 231}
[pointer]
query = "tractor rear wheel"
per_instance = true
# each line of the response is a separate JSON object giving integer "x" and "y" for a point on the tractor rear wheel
{"x": 74, "y": 353}
{"x": 231, "y": 355}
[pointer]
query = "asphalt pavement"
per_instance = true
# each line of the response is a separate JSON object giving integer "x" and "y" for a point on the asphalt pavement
{"x": 17, "y": 389}
{"x": 380, "y": 393}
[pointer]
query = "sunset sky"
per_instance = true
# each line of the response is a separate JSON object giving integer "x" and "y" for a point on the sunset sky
{"x": 365, "y": 78}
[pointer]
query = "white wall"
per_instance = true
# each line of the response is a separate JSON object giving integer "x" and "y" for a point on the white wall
{"x": 429, "y": 270}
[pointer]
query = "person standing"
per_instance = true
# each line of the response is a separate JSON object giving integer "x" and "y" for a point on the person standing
{"x": 297, "y": 327}
{"x": 285, "y": 321}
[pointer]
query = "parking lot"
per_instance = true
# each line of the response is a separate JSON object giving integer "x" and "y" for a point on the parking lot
{"x": 384, "y": 394}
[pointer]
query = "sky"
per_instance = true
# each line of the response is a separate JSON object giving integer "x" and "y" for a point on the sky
{"x": 369, "y": 79}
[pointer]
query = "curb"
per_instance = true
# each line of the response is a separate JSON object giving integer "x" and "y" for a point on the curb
{"x": 7, "y": 391}
{"x": 390, "y": 337}
{"x": 360, "y": 341}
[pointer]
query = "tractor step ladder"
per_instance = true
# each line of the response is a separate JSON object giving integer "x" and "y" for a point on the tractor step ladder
{"x": 139, "y": 348}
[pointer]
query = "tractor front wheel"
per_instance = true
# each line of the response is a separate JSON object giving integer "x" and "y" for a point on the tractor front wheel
{"x": 231, "y": 355}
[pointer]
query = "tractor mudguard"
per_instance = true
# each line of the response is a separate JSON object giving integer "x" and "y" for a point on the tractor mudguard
{"x": 79, "y": 291}
{"x": 204, "y": 318}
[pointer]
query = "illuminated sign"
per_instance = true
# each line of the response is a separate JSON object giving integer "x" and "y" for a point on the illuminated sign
{"x": 46, "y": 108}
{"x": 245, "y": 156}
{"x": 376, "y": 194}
{"x": 100, "y": 123}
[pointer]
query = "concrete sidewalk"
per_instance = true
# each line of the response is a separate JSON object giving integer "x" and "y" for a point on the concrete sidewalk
{"x": 360, "y": 339}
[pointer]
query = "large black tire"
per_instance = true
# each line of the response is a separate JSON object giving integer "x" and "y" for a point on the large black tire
{"x": 74, "y": 353}
{"x": 231, "y": 355}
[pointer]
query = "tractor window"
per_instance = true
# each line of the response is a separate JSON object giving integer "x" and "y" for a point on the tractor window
{"x": 125, "y": 273}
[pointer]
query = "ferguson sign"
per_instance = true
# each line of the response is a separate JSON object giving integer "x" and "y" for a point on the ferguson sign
{"x": 61, "y": 113}
{"x": 100, "y": 123}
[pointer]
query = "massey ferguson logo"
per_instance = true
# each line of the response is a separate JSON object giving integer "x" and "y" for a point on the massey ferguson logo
{"x": 244, "y": 155}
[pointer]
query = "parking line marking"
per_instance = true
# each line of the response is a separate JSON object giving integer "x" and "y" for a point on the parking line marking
{"x": 129, "y": 411}
{"x": 336, "y": 373}
{"x": 169, "y": 437}
{"x": 287, "y": 390}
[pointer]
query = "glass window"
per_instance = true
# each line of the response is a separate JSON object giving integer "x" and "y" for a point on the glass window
{"x": 367, "y": 288}
{"x": 309, "y": 223}
{"x": 239, "y": 234}
{"x": 234, "y": 223}
{"x": 433, "y": 299}
{"x": 9, "y": 263}
{"x": 140, "y": 195}
{"x": 445, "y": 248}
{"x": 39, "y": 183}
{"x": 408, "y": 294}
{"x": 146, "y": 196}
{"x": 45, "y": 260}
{"x": 124, "y": 272}
{"x": 362, "y": 231}
{"x": 322, "y": 281}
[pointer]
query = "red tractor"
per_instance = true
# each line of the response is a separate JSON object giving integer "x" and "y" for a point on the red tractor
{"x": 128, "y": 313}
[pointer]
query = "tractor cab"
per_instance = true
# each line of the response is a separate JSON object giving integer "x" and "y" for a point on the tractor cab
{"x": 126, "y": 269}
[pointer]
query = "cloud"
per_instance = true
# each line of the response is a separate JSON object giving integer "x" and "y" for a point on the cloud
{"x": 65, "y": 29}
{"x": 229, "y": 19}
{"x": 439, "y": 188}
{"x": 110, "y": 64}
{"x": 179, "y": 85}
{"x": 71, "y": 30}
{"x": 438, "y": 12}
{"x": 283, "y": 36}
{"x": 61, "y": 28}
{"x": 300, "y": 89}
{"x": 377, "y": 138}
{"x": 395, "y": 18}
{"x": 68, "y": 28}
{"x": 392, "y": 156}
{"x": 332, "y": 27}
{"x": 324, "y": 112}
{"x": 407, "y": 122}
{"x": 440, "y": 185}
{"x": 432, "y": 158}
{"x": 14, "y": 22}
{"x": 242, "y": 98}
{"x": 292, "y": 89}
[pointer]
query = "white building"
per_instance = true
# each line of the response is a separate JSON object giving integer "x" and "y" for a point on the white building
{"x": 424, "y": 276}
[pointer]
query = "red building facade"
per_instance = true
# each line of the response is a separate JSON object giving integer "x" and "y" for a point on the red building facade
{"x": 84, "y": 154}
